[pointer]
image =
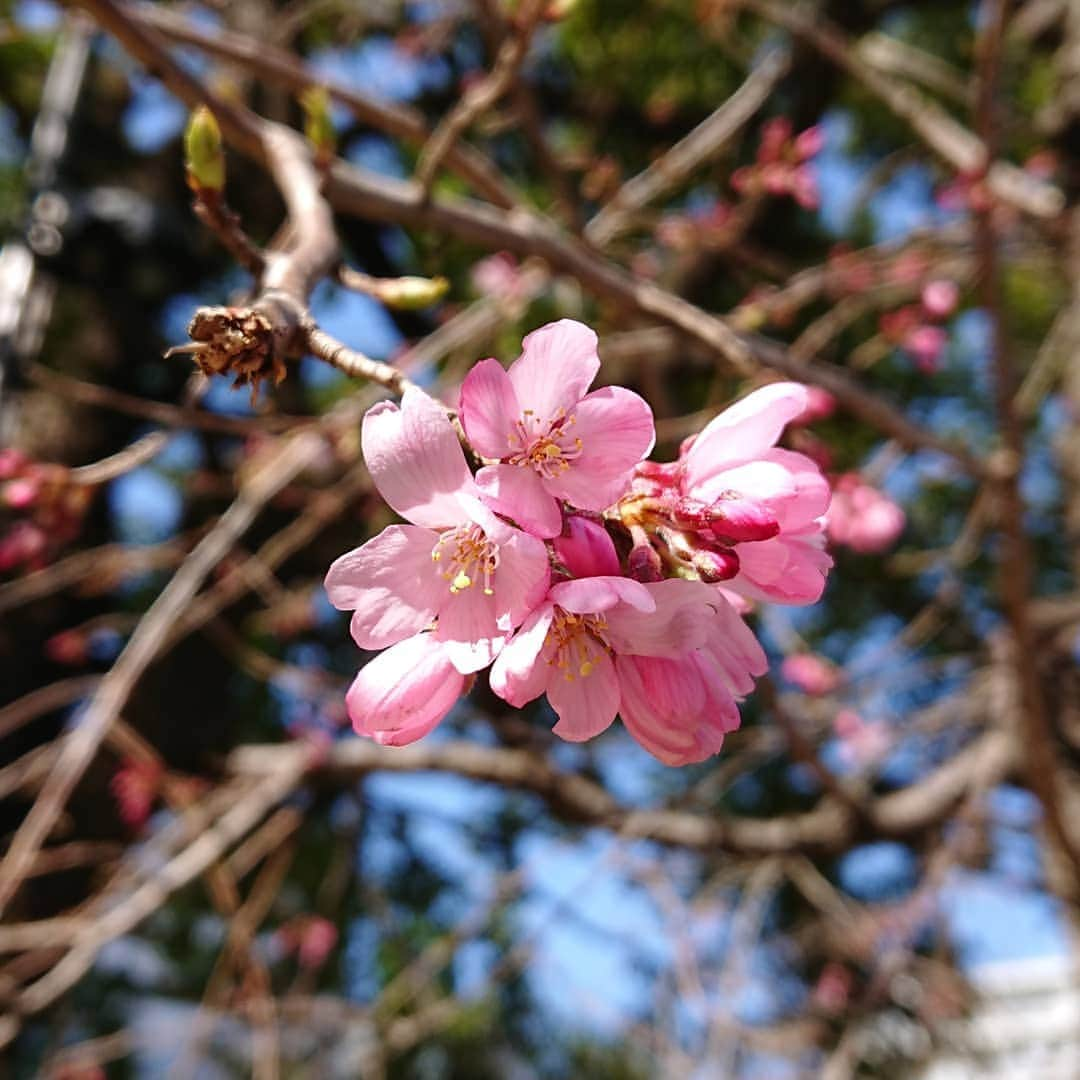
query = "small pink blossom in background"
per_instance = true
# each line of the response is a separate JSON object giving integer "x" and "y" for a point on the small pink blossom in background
{"x": 833, "y": 988}
{"x": 925, "y": 344}
{"x": 456, "y": 564}
{"x": 553, "y": 440}
{"x": 68, "y": 647}
{"x": 861, "y": 517}
{"x": 820, "y": 405}
{"x": 311, "y": 937}
{"x": 862, "y": 742}
{"x": 135, "y": 787}
{"x": 810, "y": 673}
{"x": 497, "y": 275}
{"x": 782, "y": 164}
{"x": 940, "y": 298}
{"x": 704, "y": 228}
{"x": 849, "y": 272}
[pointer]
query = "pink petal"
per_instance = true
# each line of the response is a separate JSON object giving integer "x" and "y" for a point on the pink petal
{"x": 744, "y": 431}
{"x": 616, "y": 430}
{"x": 518, "y": 493}
{"x": 415, "y": 459}
{"x": 678, "y": 710}
{"x": 468, "y": 627}
{"x": 788, "y": 569}
{"x": 588, "y": 596}
{"x": 684, "y": 610}
{"x": 732, "y": 646}
{"x": 586, "y": 549}
{"x": 390, "y": 584}
{"x": 404, "y": 692}
{"x": 556, "y": 366}
{"x": 489, "y": 408}
{"x": 585, "y": 704}
{"x": 520, "y": 673}
{"x": 521, "y": 581}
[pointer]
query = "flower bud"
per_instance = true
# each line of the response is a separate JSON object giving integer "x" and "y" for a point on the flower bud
{"x": 735, "y": 520}
{"x": 410, "y": 293}
{"x": 644, "y": 564}
{"x": 716, "y": 565}
{"x": 318, "y": 126}
{"x": 204, "y": 158}
{"x": 586, "y": 549}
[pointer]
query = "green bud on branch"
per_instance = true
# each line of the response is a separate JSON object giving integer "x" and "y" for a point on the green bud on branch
{"x": 204, "y": 157}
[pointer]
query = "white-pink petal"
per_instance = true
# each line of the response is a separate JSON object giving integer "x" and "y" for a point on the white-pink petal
{"x": 744, "y": 431}
{"x": 390, "y": 585}
{"x": 520, "y": 672}
{"x": 518, "y": 493}
{"x": 489, "y": 408}
{"x": 616, "y": 430}
{"x": 586, "y": 705}
{"x": 415, "y": 459}
{"x": 558, "y": 362}
{"x": 588, "y": 596}
{"x": 400, "y": 695}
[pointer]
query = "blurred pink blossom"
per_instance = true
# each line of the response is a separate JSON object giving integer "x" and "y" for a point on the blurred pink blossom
{"x": 861, "y": 517}
{"x": 810, "y": 673}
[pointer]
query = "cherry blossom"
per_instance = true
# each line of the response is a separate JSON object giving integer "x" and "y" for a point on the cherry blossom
{"x": 861, "y": 517}
{"x": 553, "y": 440}
{"x": 763, "y": 503}
{"x": 456, "y": 566}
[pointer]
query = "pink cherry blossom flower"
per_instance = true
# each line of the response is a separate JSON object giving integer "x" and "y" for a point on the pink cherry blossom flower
{"x": 497, "y": 275}
{"x": 405, "y": 691}
{"x": 811, "y": 674}
{"x": 939, "y": 298}
{"x": 670, "y": 657}
{"x": 553, "y": 440}
{"x": 861, "y": 517}
{"x": 456, "y": 565}
{"x": 925, "y": 344}
{"x": 135, "y": 787}
{"x": 736, "y": 456}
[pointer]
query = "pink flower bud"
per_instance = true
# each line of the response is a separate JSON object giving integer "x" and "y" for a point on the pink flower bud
{"x": 21, "y": 493}
{"x": 586, "y": 549}
{"x": 804, "y": 188}
{"x": 939, "y": 298}
{"x": 809, "y": 143}
{"x": 926, "y": 344}
{"x": 644, "y": 564}
{"x": 12, "y": 462}
{"x": 317, "y": 941}
{"x": 735, "y": 520}
{"x": 811, "y": 674}
{"x": 820, "y": 405}
{"x": 67, "y": 647}
{"x": 716, "y": 565}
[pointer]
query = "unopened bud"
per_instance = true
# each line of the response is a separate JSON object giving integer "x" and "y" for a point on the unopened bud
{"x": 735, "y": 520}
{"x": 714, "y": 566}
{"x": 318, "y": 126}
{"x": 411, "y": 293}
{"x": 204, "y": 158}
{"x": 644, "y": 564}
{"x": 21, "y": 493}
{"x": 586, "y": 549}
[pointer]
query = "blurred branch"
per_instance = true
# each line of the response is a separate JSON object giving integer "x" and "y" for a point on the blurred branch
{"x": 676, "y": 165}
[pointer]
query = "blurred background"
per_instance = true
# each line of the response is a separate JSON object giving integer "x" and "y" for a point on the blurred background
{"x": 877, "y": 877}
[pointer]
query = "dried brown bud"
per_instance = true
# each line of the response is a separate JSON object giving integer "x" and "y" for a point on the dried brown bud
{"x": 237, "y": 342}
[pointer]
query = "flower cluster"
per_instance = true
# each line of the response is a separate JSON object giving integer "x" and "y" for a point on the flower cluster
{"x": 570, "y": 565}
{"x": 40, "y": 510}
{"x": 782, "y": 164}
